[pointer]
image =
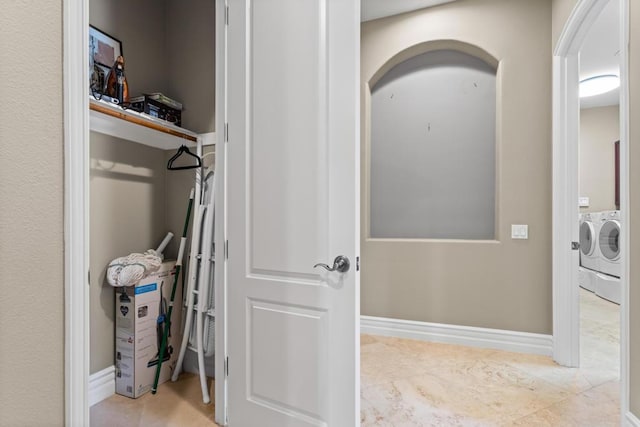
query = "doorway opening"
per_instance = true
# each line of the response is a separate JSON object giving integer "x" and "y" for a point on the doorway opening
{"x": 600, "y": 225}
{"x": 575, "y": 60}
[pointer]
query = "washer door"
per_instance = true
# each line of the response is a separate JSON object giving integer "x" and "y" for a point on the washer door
{"x": 610, "y": 240}
{"x": 587, "y": 234}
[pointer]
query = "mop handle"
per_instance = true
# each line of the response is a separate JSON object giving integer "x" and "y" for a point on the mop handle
{"x": 183, "y": 239}
{"x": 164, "y": 243}
{"x": 167, "y": 328}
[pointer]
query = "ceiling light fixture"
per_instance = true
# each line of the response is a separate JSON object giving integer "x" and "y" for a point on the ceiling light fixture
{"x": 598, "y": 85}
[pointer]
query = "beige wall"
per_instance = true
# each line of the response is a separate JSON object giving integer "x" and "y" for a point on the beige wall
{"x": 634, "y": 207}
{"x": 141, "y": 27}
{"x": 504, "y": 284}
{"x": 561, "y": 10}
{"x": 191, "y": 47}
{"x": 127, "y": 214}
{"x": 31, "y": 215}
{"x": 599, "y": 129}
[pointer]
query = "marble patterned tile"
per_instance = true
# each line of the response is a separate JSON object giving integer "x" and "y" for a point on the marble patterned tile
{"x": 587, "y": 409}
{"x": 387, "y": 365}
{"x": 420, "y": 401}
{"x": 458, "y": 386}
{"x": 415, "y": 383}
{"x": 544, "y": 368}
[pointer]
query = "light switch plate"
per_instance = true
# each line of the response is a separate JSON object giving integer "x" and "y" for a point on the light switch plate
{"x": 583, "y": 202}
{"x": 519, "y": 231}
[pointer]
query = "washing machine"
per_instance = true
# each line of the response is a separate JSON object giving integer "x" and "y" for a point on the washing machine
{"x": 609, "y": 243}
{"x": 608, "y": 287}
{"x": 589, "y": 230}
{"x": 587, "y": 279}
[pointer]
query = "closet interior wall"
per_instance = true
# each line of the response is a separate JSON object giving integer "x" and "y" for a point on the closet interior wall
{"x": 169, "y": 47}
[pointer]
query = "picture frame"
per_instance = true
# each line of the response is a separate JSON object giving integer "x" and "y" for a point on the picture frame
{"x": 104, "y": 49}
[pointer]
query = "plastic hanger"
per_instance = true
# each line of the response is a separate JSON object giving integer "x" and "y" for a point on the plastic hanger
{"x": 183, "y": 149}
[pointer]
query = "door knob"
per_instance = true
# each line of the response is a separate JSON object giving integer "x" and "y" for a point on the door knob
{"x": 341, "y": 264}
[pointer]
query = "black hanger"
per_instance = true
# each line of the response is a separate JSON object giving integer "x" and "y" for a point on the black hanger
{"x": 183, "y": 149}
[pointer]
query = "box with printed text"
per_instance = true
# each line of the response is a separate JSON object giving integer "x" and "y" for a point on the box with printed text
{"x": 140, "y": 322}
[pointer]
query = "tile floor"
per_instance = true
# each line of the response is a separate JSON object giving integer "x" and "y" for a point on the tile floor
{"x": 414, "y": 383}
{"x": 175, "y": 404}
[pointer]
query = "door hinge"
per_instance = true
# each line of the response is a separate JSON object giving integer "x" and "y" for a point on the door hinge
{"x": 575, "y": 246}
{"x": 357, "y": 263}
{"x": 226, "y": 132}
{"x": 226, "y": 366}
{"x": 89, "y": 277}
{"x": 226, "y": 249}
{"x": 226, "y": 15}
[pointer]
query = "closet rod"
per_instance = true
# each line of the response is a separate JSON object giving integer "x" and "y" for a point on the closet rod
{"x": 123, "y": 115}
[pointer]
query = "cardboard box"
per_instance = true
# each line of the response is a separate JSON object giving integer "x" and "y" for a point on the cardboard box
{"x": 138, "y": 332}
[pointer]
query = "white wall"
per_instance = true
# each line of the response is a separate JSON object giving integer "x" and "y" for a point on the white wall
{"x": 599, "y": 129}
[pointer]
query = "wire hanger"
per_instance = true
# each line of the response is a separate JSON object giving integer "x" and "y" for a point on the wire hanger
{"x": 183, "y": 149}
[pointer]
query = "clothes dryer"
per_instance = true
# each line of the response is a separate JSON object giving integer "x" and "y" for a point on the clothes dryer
{"x": 609, "y": 243}
{"x": 589, "y": 230}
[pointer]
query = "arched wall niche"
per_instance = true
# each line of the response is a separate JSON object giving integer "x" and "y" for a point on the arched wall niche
{"x": 378, "y": 220}
{"x": 430, "y": 46}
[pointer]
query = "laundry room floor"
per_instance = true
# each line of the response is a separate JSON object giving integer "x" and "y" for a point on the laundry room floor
{"x": 415, "y": 383}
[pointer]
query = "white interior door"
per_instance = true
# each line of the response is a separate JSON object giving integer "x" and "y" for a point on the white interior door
{"x": 292, "y": 202}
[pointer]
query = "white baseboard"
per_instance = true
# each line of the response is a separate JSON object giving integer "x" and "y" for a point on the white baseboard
{"x": 631, "y": 420}
{"x": 102, "y": 385}
{"x": 521, "y": 342}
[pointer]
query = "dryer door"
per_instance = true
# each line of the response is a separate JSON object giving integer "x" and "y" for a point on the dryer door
{"x": 587, "y": 238}
{"x": 610, "y": 240}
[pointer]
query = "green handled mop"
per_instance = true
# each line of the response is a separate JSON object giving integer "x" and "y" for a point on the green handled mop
{"x": 167, "y": 328}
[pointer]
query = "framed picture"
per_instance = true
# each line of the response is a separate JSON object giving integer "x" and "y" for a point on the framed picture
{"x": 103, "y": 48}
{"x": 103, "y": 51}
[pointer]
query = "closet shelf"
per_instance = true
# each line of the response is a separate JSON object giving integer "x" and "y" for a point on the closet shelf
{"x": 112, "y": 120}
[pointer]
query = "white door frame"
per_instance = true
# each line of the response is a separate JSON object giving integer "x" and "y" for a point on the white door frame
{"x": 220, "y": 232}
{"x": 566, "y": 129}
{"x": 76, "y": 212}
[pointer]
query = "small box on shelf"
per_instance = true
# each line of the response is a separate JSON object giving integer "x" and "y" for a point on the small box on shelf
{"x": 159, "y": 107}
